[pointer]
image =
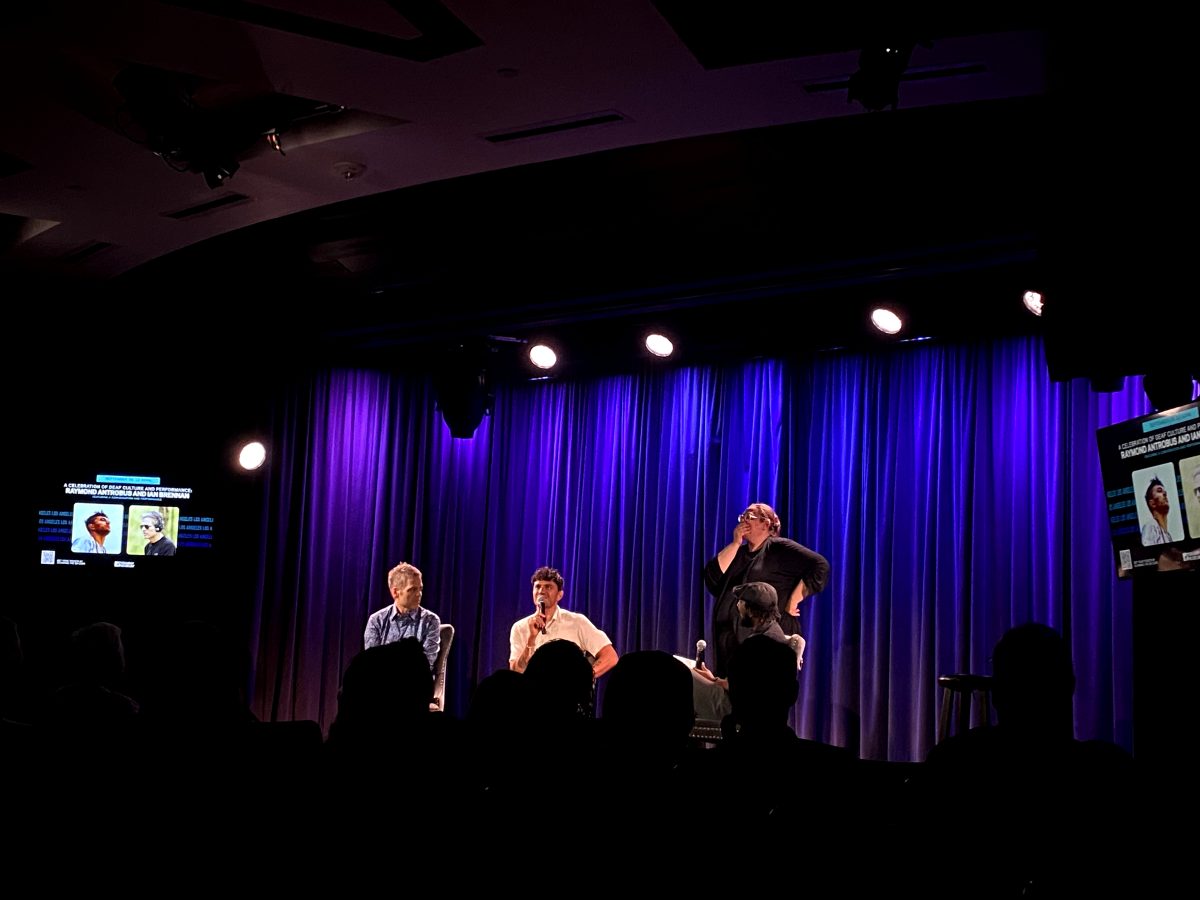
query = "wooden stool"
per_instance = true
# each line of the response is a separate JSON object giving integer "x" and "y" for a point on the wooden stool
{"x": 959, "y": 689}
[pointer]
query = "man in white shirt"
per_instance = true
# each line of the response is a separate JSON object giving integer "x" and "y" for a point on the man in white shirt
{"x": 552, "y": 623}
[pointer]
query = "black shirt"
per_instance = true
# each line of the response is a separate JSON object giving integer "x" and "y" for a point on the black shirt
{"x": 781, "y": 563}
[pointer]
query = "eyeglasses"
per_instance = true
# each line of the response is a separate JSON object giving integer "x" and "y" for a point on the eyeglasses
{"x": 145, "y": 526}
{"x": 750, "y": 517}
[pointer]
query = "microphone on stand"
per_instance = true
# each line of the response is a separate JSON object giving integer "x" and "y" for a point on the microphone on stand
{"x": 542, "y": 610}
{"x": 700, "y": 646}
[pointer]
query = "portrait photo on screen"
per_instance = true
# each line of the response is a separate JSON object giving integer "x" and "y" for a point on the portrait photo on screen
{"x": 153, "y": 530}
{"x": 1157, "y": 493}
{"x": 1189, "y": 473}
{"x": 96, "y": 527}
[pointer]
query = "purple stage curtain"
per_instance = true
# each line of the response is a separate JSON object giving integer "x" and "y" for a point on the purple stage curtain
{"x": 954, "y": 489}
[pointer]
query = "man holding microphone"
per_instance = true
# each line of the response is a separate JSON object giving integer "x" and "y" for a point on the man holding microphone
{"x": 552, "y": 623}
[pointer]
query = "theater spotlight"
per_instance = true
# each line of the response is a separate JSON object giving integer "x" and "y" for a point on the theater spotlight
{"x": 659, "y": 345}
{"x": 542, "y": 356}
{"x": 886, "y": 321}
{"x": 252, "y": 456}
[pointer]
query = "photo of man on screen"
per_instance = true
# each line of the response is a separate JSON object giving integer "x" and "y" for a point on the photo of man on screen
{"x": 1158, "y": 515}
{"x": 153, "y": 529}
{"x": 1189, "y": 469}
{"x": 99, "y": 527}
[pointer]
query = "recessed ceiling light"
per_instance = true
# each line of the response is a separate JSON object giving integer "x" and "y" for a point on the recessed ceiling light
{"x": 659, "y": 344}
{"x": 542, "y": 356}
{"x": 886, "y": 321}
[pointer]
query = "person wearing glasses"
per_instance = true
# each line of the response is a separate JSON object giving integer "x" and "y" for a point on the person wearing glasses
{"x": 405, "y": 617}
{"x": 157, "y": 543}
{"x": 98, "y": 528}
{"x": 758, "y": 553}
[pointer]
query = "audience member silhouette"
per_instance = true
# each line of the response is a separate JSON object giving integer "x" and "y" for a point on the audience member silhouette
{"x": 500, "y": 728}
{"x": 386, "y": 748}
{"x": 648, "y": 701}
{"x": 648, "y": 718}
{"x": 385, "y": 695}
{"x": 561, "y": 680}
{"x": 782, "y": 775}
{"x": 196, "y": 684}
{"x": 1054, "y": 803}
{"x": 1032, "y": 690}
{"x": 90, "y": 698}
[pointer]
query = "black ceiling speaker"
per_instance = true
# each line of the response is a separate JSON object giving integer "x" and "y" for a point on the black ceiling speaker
{"x": 193, "y": 125}
{"x": 876, "y": 84}
{"x": 464, "y": 395}
{"x": 1168, "y": 388}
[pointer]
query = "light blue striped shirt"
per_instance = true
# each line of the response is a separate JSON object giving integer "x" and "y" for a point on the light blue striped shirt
{"x": 389, "y": 625}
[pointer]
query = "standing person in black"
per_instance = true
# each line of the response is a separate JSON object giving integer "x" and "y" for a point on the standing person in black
{"x": 758, "y": 553}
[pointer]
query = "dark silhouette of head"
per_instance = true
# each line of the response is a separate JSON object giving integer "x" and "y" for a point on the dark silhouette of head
{"x": 1034, "y": 681}
{"x": 562, "y": 680}
{"x": 97, "y": 654}
{"x": 388, "y": 681}
{"x": 649, "y": 695}
{"x": 198, "y": 680}
{"x": 763, "y": 686}
{"x": 504, "y": 697}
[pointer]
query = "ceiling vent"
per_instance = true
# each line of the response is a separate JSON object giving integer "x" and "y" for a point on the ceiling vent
{"x": 918, "y": 74}
{"x": 87, "y": 251}
{"x": 590, "y": 120}
{"x": 223, "y": 202}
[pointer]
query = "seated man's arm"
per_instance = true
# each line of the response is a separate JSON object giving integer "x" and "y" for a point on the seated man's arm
{"x": 521, "y": 644}
{"x": 371, "y": 635}
{"x": 605, "y": 660}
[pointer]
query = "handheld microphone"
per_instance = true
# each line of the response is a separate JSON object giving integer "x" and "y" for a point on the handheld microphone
{"x": 700, "y": 646}
{"x": 542, "y": 610}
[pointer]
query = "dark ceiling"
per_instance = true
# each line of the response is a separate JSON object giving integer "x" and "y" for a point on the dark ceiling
{"x": 928, "y": 209}
{"x": 454, "y": 171}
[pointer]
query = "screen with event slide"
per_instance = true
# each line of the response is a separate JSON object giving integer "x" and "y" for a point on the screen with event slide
{"x": 1151, "y": 468}
{"x": 123, "y": 519}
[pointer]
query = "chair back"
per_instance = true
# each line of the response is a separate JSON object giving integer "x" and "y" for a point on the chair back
{"x": 446, "y": 634}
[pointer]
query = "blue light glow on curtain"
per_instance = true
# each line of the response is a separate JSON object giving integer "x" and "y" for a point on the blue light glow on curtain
{"x": 955, "y": 491}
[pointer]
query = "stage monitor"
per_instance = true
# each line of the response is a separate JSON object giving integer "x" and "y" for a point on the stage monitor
{"x": 1151, "y": 470}
{"x": 121, "y": 519}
